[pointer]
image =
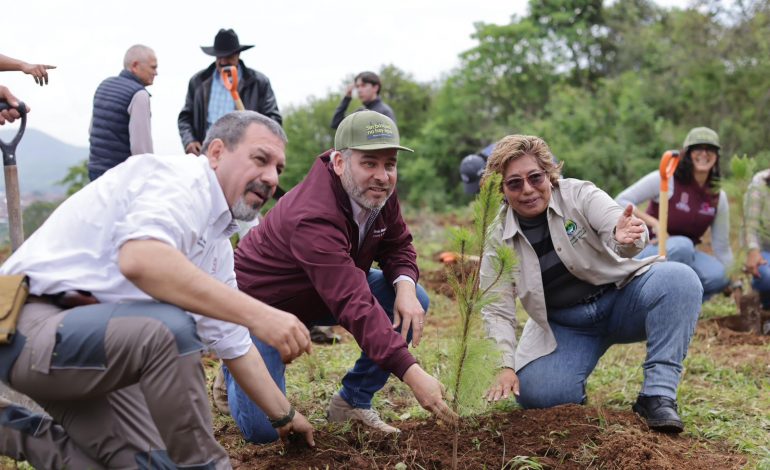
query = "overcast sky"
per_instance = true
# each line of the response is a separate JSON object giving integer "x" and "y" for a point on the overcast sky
{"x": 305, "y": 47}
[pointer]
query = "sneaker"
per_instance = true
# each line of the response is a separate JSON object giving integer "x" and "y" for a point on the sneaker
{"x": 340, "y": 411}
{"x": 324, "y": 335}
{"x": 660, "y": 413}
{"x": 219, "y": 393}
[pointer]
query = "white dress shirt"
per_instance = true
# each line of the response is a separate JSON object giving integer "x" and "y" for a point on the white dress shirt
{"x": 173, "y": 199}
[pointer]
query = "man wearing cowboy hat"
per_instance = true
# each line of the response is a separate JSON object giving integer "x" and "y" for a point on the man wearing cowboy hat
{"x": 208, "y": 99}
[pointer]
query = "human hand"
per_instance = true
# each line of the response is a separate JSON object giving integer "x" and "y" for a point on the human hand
{"x": 284, "y": 332}
{"x": 38, "y": 71}
{"x": 349, "y": 90}
{"x": 629, "y": 227}
{"x": 429, "y": 393}
{"x": 193, "y": 147}
{"x": 653, "y": 224}
{"x": 408, "y": 312}
{"x": 299, "y": 425}
{"x": 754, "y": 260}
{"x": 10, "y": 114}
{"x": 507, "y": 381}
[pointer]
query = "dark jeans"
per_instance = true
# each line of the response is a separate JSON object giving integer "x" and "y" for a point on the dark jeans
{"x": 358, "y": 386}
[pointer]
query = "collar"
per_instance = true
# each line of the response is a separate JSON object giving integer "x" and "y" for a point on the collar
{"x": 512, "y": 224}
{"x": 369, "y": 104}
{"x": 360, "y": 215}
{"x": 340, "y": 195}
{"x": 127, "y": 74}
{"x": 220, "y": 218}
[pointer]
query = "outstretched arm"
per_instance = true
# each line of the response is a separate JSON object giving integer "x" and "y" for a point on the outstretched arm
{"x": 164, "y": 273}
{"x": 38, "y": 71}
{"x": 251, "y": 374}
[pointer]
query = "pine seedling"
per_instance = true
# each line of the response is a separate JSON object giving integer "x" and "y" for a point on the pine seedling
{"x": 473, "y": 357}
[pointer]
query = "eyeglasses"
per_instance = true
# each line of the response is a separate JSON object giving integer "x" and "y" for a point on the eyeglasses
{"x": 516, "y": 183}
{"x": 704, "y": 149}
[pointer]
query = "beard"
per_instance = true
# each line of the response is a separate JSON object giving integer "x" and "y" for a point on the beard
{"x": 247, "y": 212}
{"x": 358, "y": 194}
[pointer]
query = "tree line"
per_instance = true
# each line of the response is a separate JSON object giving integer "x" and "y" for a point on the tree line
{"x": 609, "y": 86}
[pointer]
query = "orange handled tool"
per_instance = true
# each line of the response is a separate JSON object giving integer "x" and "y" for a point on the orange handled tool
{"x": 668, "y": 164}
{"x": 230, "y": 80}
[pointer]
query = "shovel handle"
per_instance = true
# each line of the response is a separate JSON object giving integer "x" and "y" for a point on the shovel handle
{"x": 229, "y": 76}
{"x": 12, "y": 192}
{"x": 668, "y": 164}
{"x": 13, "y": 201}
{"x": 9, "y": 148}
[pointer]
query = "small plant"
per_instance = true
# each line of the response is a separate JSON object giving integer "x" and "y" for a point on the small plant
{"x": 469, "y": 372}
{"x": 736, "y": 186}
{"x": 522, "y": 462}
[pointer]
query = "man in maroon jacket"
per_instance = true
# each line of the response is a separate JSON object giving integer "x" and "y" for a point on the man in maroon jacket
{"x": 312, "y": 256}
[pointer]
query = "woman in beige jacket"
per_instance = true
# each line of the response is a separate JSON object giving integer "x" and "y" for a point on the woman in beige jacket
{"x": 581, "y": 288}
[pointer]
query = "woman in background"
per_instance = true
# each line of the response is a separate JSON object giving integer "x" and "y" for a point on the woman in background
{"x": 695, "y": 204}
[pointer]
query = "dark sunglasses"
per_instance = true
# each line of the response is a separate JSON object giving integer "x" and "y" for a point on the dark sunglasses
{"x": 516, "y": 183}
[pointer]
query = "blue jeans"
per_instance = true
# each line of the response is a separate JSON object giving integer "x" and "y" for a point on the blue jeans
{"x": 709, "y": 270}
{"x": 762, "y": 284}
{"x": 660, "y": 306}
{"x": 358, "y": 386}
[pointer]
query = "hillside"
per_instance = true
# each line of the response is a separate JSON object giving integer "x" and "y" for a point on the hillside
{"x": 42, "y": 161}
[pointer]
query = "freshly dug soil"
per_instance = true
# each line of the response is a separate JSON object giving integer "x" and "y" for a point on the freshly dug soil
{"x": 564, "y": 437}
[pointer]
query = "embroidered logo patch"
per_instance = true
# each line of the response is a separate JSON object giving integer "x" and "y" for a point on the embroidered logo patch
{"x": 574, "y": 232}
{"x": 683, "y": 204}
{"x": 707, "y": 209}
{"x": 570, "y": 226}
{"x": 378, "y": 130}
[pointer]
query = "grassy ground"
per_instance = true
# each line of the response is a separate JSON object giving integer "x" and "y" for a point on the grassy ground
{"x": 724, "y": 395}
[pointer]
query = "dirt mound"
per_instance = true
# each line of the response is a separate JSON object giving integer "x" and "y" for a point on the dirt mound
{"x": 565, "y": 437}
{"x": 436, "y": 281}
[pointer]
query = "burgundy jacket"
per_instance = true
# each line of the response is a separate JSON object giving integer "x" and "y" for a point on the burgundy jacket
{"x": 304, "y": 258}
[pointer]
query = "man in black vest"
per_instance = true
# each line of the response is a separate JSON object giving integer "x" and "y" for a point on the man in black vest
{"x": 120, "y": 125}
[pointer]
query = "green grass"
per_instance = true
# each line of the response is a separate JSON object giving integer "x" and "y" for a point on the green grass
{"x": 724, "y": 396}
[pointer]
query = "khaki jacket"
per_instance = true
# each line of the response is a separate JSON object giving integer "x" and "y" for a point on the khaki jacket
{"x": 581, "y": 219}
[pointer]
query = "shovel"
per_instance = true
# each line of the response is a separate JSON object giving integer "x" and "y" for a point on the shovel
{"x": 12, "y": 194}
{"x": 668, "y": 164}
{"x": 230, "y": 80}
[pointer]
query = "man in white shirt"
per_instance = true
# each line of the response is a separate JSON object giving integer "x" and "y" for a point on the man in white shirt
{"x": 122, "y": 378}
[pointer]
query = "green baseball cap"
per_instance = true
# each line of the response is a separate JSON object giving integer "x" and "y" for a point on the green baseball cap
{"x": 367, "y": 130}
{"x": 701, "y": 135}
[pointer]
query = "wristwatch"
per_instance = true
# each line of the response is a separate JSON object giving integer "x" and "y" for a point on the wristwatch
{"x": 283, "y": 421}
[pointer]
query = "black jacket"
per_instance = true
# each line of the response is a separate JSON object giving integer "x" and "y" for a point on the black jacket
{"x": 376, "y": 105}
{"x": 253, "y": 87}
